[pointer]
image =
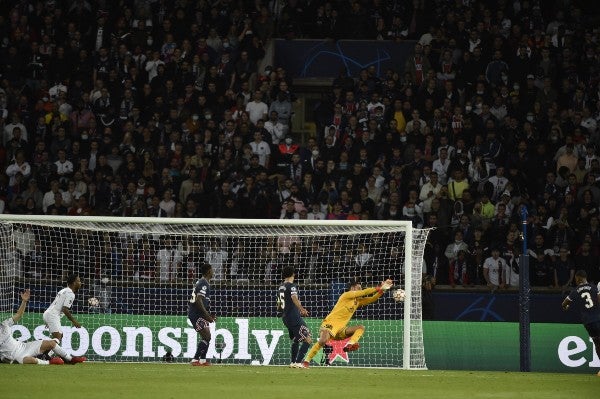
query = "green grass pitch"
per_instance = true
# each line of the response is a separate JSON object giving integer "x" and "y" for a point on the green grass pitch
{"x": 155, "y": 380}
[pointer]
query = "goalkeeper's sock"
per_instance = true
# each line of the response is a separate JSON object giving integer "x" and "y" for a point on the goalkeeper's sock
{"x": 295, "y": 345}
{"x": 313, "y": 351}
{"x": 356, "y": 336}
{"x": 201, "y": 350}
{"x": 62, "y": 353}
{"x": 301, "y": 352}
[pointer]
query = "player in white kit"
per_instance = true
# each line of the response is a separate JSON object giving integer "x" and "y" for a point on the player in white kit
{"x": 12, "y": 350}
{"x": 62, "y": 305}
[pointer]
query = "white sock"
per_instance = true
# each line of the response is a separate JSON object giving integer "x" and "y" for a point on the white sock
{"x": 51, "y": 352}
{"x": 41, "y": 362}
{"x": 202, "y": 361}
{"x": 62, "y": 353}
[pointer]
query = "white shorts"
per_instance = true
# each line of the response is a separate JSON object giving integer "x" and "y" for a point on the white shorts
{"x": 53, "y": 323}
{"x": 25, "y": 349}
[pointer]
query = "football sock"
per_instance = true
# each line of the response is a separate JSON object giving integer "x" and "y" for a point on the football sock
{"x": 356, "y": 336}
{"x": 313, "y": 351}
{"x": 201, "y": 350}
{"x": 197, "y": 354}
{"x": 326, "y": 352}
{"x": 295, "y": 345}
{"x": 302, "y": 352}
{"x": 41, "y": 362}
{"x": 50, "y": 352}
{"x": 62, "y": 353}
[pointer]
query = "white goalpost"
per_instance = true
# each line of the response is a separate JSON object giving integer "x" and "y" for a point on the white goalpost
{"x": 138, "y": 274}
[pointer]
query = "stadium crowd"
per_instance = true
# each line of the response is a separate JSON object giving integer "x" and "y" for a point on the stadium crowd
{"x": 158, "y": 108}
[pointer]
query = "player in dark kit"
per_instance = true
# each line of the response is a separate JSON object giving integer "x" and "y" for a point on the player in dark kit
{"x": 199, "y": 316}
{"x": 291, "y": 311}
{"x": 587, "y": 299}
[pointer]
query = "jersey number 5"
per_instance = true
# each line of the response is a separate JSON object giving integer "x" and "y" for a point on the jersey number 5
{"x": 281, "y": 300}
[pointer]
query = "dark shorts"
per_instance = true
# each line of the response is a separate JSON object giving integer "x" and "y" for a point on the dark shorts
{"x": 593, "y": 329}
{"x": 298, "y": 332}
{"x": 199, "y": 323}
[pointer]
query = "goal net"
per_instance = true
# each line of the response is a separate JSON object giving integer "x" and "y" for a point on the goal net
{"x": 138, "y": 275}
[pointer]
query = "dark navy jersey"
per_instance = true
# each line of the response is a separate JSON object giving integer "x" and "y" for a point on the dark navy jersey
{"x": 202, "y": 290}
{"x": 585, "y": 299}
{"x": 286, "y": 307}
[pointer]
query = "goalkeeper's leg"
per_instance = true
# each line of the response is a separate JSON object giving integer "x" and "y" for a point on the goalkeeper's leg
{"x": 324, "y": 337}
{"x": 354, "y": 332}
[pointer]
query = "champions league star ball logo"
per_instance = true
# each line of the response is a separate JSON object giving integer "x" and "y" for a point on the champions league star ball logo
{"x": 334, "y": 350}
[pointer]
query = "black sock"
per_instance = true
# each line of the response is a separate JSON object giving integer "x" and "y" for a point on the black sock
{"x": 295, "y": 345}
{"x": 326, "y": 352}
{"x": 201, "y": 350}
{"x": 302, "y": 352}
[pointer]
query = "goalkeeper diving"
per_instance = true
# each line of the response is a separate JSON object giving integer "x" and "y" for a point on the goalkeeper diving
{"x": 335, "y": 325}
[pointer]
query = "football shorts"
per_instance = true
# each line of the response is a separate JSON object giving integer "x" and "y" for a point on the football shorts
{"x": 53, "y": 323}
{"x": 26, "y": 349}
{"x": 299, "y": 332}
{"x": 336, "y": 330}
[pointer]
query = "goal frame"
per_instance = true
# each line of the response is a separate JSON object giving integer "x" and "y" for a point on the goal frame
{"x": 402, "y": 226}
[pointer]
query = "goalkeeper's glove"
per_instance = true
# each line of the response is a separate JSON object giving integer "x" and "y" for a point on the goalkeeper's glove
{"x": 383, "y": 287}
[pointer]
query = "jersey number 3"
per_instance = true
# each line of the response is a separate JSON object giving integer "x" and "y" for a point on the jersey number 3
{"x": 589, "y": 303}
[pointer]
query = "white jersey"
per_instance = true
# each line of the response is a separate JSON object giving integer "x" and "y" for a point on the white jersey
{"x": 64, "y": 298}
{"x": 495, "y": 268}
{"x": 7, "y": 343}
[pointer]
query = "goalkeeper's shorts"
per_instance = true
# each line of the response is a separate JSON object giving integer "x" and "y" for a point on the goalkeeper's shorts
{"x": 336, "y": 330}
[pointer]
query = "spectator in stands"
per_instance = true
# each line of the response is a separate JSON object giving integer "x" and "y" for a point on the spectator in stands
{"x": 454, "y": 248}
{"x": 256, "y": 108}
{"x": 564, "y": 269}
{"x": 138, "y": 78}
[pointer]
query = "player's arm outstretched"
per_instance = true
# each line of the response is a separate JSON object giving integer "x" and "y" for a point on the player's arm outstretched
{"x": 25, "y": 295}
{"x": 381, "y": 289}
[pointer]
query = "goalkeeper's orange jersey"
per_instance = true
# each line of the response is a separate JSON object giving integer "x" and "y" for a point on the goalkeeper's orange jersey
{"x": 348, "y": 302}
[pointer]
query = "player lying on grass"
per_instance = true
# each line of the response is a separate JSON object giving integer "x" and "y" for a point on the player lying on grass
{"x": 334, "y": 326}
{"x": 12, "y": 350}
{"x": 587, "y": 300}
